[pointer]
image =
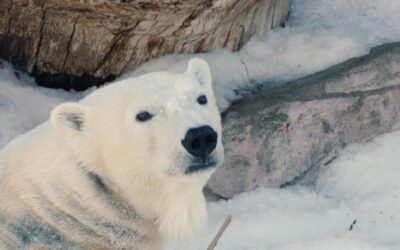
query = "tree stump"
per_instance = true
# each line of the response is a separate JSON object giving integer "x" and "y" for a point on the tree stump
{"x": 71, "y": 44}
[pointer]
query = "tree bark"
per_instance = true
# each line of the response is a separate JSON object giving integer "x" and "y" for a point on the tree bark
{"x": 283, "y": 136}
{"x": 70, "y": 44}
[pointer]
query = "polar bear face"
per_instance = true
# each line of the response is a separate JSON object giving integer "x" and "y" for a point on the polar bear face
{"x": 170, "y": 122}
{"x": 173, "y": 118}
{"x": 161, "y": 130}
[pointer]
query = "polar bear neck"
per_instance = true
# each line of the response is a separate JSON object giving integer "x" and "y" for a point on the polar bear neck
{"x": 64, "y": 197}
{"x": 95, "y": 218}
{"x": 182, "y": 208}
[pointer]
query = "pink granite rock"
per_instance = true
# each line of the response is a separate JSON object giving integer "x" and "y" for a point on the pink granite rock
{"x": 283, "y": 135}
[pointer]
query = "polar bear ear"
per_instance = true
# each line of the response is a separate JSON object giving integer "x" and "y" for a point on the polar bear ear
{"x": 69, "y": 118}
{"x": 200, "y": 70}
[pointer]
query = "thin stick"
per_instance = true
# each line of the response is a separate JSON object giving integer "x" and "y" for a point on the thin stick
{"x": 221, "y": 230}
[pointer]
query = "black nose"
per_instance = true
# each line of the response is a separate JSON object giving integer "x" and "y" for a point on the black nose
{"x": 201, "y": 141}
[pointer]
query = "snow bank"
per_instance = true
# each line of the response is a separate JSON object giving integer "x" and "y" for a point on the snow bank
{"x": 22, "y": 104}
{"x": 361, "y": 186}
{"x": 319, "y": 34}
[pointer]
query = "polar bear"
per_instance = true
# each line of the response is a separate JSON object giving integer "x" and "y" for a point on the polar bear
{"x": 122, "y": 169}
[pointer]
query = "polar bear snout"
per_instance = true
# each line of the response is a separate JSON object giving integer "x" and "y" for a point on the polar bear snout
{"x": 200, "y": 142}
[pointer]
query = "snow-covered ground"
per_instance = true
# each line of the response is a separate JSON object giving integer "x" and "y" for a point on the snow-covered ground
{"x": 362, "y": 185}
{"x": 23, "y": 105}
{"x": 319, "y": 34}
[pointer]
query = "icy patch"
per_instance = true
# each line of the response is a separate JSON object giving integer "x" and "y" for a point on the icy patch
{"x": 354, "y": 205}
{"x": 319, "y": 34}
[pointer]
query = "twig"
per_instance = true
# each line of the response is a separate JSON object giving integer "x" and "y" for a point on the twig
{"x": 221, "y": 230}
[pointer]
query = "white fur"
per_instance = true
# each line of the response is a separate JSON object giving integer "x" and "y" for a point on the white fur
{"x": 143, "y": 163}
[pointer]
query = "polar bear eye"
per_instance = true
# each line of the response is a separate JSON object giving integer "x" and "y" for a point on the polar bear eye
{"x": 202, "y": 100}
{"x": 143, "y": 116}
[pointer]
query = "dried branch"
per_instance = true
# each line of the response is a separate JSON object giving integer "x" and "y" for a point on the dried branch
{"x": 221, "y": 230}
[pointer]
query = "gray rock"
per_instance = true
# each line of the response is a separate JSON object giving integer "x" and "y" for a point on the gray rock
{"x": 283, "y": 135}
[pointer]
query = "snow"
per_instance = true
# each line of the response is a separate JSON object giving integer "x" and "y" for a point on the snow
{"x": 362, "y": 185}
{"x": 23, "y": 105}
{"x": 319, "y": 34}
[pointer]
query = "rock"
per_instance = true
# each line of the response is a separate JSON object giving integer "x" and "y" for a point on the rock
{"x": 284, "y": 135}
{"x": 73, "y": 44}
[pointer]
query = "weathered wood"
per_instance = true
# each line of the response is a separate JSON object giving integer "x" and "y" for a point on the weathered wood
{"x": 80, "y": 44}
{"x": 283, "y": 136}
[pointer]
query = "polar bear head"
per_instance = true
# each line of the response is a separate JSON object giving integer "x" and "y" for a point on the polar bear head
{"x": 154, "y": 139}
